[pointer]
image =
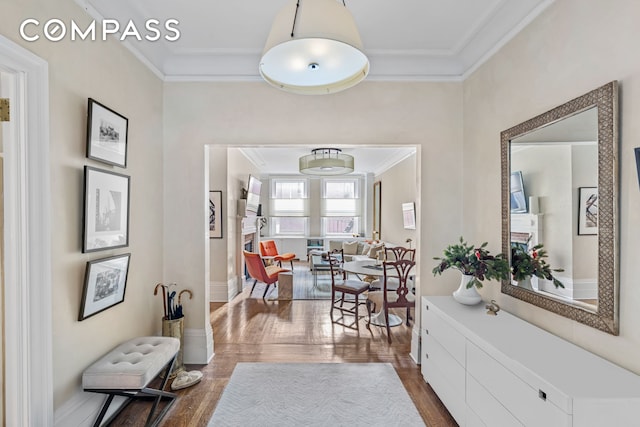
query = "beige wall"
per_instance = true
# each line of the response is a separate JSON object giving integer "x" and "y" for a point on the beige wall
{"x": 109, "y": 73}
{"x": 236, "y": 114}
{"x": 573, "y": 47}
{"x": 398, "y": 185}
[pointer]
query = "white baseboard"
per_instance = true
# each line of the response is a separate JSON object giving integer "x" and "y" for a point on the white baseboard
{"x": 573, "y": 289}
{"x": 415, "y": 344}
{"x": 223, "y": 291}
{"x": 218, "y": 291}
{"x": 198, "y": 346}
{"x": 83, "y": 408}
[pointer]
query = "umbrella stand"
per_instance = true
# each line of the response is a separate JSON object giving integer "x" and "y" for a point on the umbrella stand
{"x": 175, "y": 328}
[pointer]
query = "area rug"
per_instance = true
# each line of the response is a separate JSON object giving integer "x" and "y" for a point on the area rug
{"x": 304, "y": 286}
{"x": 315, "y": 394}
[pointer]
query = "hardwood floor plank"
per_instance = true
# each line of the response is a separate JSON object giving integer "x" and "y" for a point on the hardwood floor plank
{"x": 253, "y": 330}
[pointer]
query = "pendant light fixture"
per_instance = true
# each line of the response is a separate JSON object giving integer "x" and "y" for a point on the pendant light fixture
{"x": 314, "y": 48}
{"x": 326, "y": 161}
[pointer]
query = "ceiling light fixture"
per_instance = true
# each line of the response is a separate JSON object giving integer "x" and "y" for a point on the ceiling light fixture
{"x": 314, "y": 48}
{"x": 326, "y": 161}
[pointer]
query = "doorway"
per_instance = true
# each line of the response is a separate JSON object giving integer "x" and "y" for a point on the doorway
{"x": 26, "y": 308}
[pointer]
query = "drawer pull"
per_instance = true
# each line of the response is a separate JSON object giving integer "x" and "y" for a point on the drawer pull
{"x": 426, "y": 331}
{"x": 542, "y": 395}
{"x": 426, "y": 355}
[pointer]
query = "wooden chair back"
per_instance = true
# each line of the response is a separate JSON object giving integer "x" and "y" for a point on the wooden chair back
{"x": 399, "y": 252}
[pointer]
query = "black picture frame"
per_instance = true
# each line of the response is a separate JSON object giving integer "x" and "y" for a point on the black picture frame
{"x": 637, "y": 152}
{"x": 105, "y": 282}
{"x": 107, "y": 134}
{"x": 587, "y": 211}
{"x": 106, "y": 210}
{"x": 215, "y": 214}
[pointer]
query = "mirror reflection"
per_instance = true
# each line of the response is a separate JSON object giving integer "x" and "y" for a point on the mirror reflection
{"x": 553, "y": 203}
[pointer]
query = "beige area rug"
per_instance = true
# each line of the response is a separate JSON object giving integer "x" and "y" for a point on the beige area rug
{"x": 315, "y": 394}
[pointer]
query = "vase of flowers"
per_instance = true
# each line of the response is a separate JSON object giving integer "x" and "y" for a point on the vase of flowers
{"x": 526, "y": 263}
{"x": 476, "y": 264}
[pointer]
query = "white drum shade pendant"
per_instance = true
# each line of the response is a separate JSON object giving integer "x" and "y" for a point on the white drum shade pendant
{"x": 314, "y": 48}
{"x": 326, "y": 161}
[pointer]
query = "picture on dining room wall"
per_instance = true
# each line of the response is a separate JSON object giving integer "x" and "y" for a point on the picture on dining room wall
{"x": 215, "y": 214}
{"x": 105, "y": 281}
{"x": 106, "y": 210}
{"x": 106, "y": 135}
{"x": 588, "y": 211}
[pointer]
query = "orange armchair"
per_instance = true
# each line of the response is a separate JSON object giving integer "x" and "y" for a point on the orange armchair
{"x": 260, "y": 273}
{"x": 268, "y": 248}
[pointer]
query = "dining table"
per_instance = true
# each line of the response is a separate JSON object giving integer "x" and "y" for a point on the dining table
{"x": 372, "y": 268}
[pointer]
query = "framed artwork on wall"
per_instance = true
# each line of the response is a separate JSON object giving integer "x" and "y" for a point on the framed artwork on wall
{"x": 588, "y": 211}
{"x": 104, "y": 283}
{"x": 409, "y": 216}
{"x": 215, "y": 214}
{"x": 106, "y": 210}
{"x": 377, "y": 200}
{"x": 106, "y": 135}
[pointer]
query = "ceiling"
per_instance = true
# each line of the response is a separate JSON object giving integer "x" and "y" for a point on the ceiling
{"x": 405, "y": 40}
{"x": 413, "y": 40}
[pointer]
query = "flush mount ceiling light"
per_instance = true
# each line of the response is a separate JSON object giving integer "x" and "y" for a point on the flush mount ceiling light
{"x": 326, "y": 161}
{"x": 314, "y": 48}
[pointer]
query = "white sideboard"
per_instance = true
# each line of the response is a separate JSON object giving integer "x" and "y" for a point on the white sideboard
{"x": 503, "y": 371}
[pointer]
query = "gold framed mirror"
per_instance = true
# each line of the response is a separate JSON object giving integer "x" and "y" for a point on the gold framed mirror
{"x": 560, "y": 189}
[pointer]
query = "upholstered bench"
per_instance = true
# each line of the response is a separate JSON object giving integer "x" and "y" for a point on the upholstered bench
{"x": 127, "y": 371}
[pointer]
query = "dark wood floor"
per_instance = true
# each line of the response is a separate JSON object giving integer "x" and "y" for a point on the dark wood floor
{"x": 252, "y": 330}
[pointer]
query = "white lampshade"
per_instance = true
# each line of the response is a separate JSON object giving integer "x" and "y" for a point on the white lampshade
{"x": 314, "y": 51}
{"x": 326, "y": 161}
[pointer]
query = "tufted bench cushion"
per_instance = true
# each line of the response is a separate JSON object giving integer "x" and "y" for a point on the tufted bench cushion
{"x": 131, "y": 365}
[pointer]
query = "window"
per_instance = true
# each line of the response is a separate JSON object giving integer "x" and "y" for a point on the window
{"x": 289, "y": 207}
{"x": 341, "y": 206}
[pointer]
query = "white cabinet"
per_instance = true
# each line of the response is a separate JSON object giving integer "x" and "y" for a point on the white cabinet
{"x": 503, "y": 371}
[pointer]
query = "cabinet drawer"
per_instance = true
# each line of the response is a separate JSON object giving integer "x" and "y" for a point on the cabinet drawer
{"x": 527, "y": 404}
{"x": 436, "y": 327}
{"x": 487, "y": 408}
{"x": 451, "y": 398}
{"x": 449, "y": 368}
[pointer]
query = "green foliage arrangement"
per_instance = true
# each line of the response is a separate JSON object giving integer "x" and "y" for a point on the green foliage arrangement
{"x": 473, "y": 261}
{"x": 527, "y": 263}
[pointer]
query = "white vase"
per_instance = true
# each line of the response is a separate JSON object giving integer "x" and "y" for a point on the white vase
{"x": 525, "y": 283}
{"x": 464, "y": 295}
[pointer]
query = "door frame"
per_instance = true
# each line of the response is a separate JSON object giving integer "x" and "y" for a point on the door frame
{"x": 28, "y": 310}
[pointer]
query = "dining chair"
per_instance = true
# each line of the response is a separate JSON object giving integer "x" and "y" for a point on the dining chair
{"x": 268, "y": 248}
{"x": 341, "y": 286}
{"x": 257, "y": 271}
{"x": 388, "y": 298}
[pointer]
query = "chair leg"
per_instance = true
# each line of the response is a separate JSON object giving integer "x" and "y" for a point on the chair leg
{"x": 386, "y": 321}
{"x": 357, "y": 316}
{"x": 408, "y": 315}
{"x": 265, "y": 291}
{"x": 254, "y": 286}
{"x": 291, "y": 261}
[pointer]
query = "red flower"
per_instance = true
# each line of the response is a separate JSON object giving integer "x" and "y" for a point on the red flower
{"x": 478, "y": 255}
{"x": 534, "y": 254}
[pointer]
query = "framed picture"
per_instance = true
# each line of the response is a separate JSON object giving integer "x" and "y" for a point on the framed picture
{"x": 104, "y": 283}
{"x": 409, "y": 216}
{"x": 106, "y": 135}
{"x": 215, "y": 214}
{"x": 106, "y": 210}
{"x": 377, "y": 200}
{"x": 587, "y": 210}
